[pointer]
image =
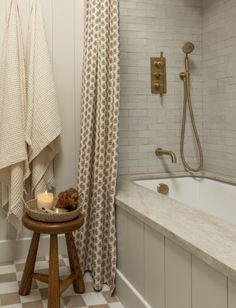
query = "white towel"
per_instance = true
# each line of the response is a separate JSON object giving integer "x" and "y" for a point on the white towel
{"x": 43, "y": 121}
{"x": 13, "y": 152}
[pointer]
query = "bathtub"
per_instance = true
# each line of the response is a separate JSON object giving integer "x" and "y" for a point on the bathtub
{"x": 210, "y": 196}
{"x": 176, "y": 250}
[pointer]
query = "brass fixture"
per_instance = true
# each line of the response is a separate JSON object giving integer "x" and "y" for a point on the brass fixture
{"x": 159, "y": 63}
{"x": 185, "y": 76}
{"x": 182, "y": 75}
{"x": 160, "y": 152}
{"x": 188, "y": 48}
{"x": 163, "y": 189}
{"x": 158, "y": 75}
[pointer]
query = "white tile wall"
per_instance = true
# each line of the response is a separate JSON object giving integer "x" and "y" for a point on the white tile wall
{"x": 219, "y": 95}
{"x": 148, "y": 27}
{"x": 147, "y": 121}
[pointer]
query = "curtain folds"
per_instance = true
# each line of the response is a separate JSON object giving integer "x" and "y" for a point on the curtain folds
{"x": 97, "y": 170}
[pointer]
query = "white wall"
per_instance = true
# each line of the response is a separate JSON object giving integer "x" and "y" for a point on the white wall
{"x": 64, "y": 21}
{"x": 147, "y": 28}
{"x": 146, "y": 121}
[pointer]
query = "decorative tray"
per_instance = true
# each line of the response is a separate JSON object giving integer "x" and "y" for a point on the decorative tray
{"x": 35, "y": 213}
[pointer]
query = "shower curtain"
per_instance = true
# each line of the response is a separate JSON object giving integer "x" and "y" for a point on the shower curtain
{"x": 97, "y": 170}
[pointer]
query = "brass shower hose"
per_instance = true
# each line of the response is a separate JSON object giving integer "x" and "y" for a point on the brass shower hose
{"x": 187, "y": 102}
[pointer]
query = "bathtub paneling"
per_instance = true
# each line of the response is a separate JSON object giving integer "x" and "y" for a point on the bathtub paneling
{"x": 154, "y": 268}
{"x": 172, "y": 277}
{"x": 231, "y": 294}
{"x": 135, "y": 253}
{"x": 127, "y": 296}
{"x": 209, "y": 288}
{"x": 130, "y": 242}
{"x": 177, "y": 276}
{"x": 122, "y": 243}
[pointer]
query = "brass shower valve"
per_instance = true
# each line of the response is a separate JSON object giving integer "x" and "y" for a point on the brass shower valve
{"x": 157, "y": 86}
{"x": 158, "y": 63}
{"x": 158, "y": 75}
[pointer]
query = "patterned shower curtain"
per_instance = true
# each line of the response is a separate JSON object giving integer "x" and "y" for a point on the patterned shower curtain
{"x": 97, "y": 170}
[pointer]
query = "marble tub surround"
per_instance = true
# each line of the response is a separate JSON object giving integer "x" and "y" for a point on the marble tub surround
{"x": 209, "y": 238}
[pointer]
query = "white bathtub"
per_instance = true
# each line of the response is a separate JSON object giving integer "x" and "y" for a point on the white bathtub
{"x": 210, "y": 196}
{"x": 170, "y": 253}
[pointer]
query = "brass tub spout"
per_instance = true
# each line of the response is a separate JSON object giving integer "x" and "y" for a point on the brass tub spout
{"x": 160, "y": 152}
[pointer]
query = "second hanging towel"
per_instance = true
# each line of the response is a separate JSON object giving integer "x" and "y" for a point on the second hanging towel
{"x": 43, "y": 127}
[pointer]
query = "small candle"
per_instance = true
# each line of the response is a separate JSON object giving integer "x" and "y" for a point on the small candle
{"x": 45, "y": 200}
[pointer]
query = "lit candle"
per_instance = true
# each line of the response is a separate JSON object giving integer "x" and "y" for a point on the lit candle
{"x": 45, "y": 200}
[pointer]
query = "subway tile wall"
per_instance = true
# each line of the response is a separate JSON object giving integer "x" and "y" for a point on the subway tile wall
{"x": 147, "y": 121}
{"x": 219, "y": 91}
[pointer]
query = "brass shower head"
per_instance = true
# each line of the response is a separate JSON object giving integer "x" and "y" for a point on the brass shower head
{"x": 188, "y": 47}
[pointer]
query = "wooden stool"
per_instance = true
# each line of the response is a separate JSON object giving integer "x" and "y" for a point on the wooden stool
{"x": 55, "y": 285}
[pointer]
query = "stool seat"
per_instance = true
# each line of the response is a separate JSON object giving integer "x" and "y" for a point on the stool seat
{"x": 52, "y": 227}
{"x": 55, "y": 285}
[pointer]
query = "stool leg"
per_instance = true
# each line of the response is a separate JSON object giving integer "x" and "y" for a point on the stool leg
{"x": 78, "y": 283}
{"x": 26, "y": 280}
{"x": 53, "y": 281}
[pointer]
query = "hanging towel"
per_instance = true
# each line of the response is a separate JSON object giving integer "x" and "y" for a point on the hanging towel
{"x": 43, "y": 126}
{"x": 13, "y": 152}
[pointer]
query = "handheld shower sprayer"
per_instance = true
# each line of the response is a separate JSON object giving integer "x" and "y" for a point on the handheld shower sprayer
{"x": 188, "y": 48}
{"x": 185, "y": 76}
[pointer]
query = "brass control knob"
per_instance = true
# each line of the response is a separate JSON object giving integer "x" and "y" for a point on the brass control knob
{"x": 158, "y": 64}
{"x": 157, "y": 86}
{"x": 163, "y": 189}
{"x": 157, "y": 75}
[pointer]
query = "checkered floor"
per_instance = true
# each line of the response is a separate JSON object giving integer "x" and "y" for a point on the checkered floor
{"x": 10, "y": 276}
